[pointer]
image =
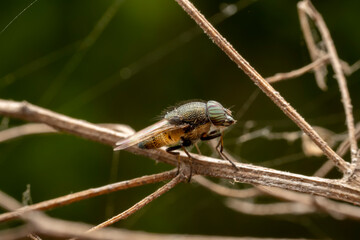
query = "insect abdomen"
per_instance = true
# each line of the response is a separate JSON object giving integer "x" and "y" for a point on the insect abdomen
{"x": 162, "y": 139}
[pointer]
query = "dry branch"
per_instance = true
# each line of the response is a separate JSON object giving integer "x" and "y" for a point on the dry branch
{"x": 26, "y": 129}
{"x": 179, "y": 178}
{"x": 227, "y": 192}
{"x": 314, "y": 51}
{"x": 293, "y": 208}
{"x": 298, "y": 72}
{"x": 202, "y": 165}
{"x": 93, "y": 192}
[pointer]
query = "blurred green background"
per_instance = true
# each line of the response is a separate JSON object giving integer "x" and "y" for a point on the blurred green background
{"x": 148, "y": 56}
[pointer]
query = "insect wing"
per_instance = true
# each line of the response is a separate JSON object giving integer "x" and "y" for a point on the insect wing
{"x": 147, "y": 133}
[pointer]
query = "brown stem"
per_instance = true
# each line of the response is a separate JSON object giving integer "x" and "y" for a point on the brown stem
{"x": 314, "y": 51}
{"x": 202, "y": 165}
{"x": 228, "y": 192}
{"x": 298, "y": 72}
{"x": 179, "y": 178}
{"x": 93, "y": 192}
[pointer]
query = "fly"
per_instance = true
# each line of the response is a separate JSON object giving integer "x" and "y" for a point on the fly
{"x": 183, "y": 127}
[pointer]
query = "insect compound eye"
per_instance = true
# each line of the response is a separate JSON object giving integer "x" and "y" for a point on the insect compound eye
{"x": 216, "y": 113}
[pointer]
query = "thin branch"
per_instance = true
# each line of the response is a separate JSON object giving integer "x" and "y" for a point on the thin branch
{"x": 227, "y": 192}
{"x": 29, "y": 112}
{"x": 202, "y": 165}
{"x": 341, "y": 151}
{"x": 26, "y": 129}
{"x": 348, "y": 70}
{"x": 266, "y": 133}
{"x": 324, "y": 169}
{"x": 292, "y": 208}
{"x": 40, "y": 128}
{"x": 307, "y": 7}
{"x": 225, "y": 46}
{"x": 93, "y": 192}
{"x": 314, "y": 51}
{"x": 179, "y": 178}
{"x": 345, "y": 145}
{"x": 298, "y": 72}
{"x": 335, "y": 209}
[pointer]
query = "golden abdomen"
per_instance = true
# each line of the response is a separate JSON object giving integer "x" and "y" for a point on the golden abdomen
{"x": 162, "y": 139}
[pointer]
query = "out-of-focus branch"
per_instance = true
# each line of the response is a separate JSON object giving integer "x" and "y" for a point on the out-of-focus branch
{"x": 41, "y": 128}
{"x": 179, "y": 178}
{"x": 298, "y": 72}
{"x": 227, "y": 192}
{"x": 93, "y": 192}
{"x": 274, "y": 95}
{"x": 307, "y": 7}
{"x": 23, "y": 130}
{"x": 314, "y": 51}
{"x": 350, "y": 69}
{"x": 292, "y": 208}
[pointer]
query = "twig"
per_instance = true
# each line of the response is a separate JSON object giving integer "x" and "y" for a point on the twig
{"x": 266, "y": 133}
{"x": 228, "y": 192}
{"x": 179, "y": 178}
{"x": 348, "y": 70}
{"x": 324, "y": 169}
{"x": 29, "y": 112}
{"x": 40, "y": 128}
{"x": 216, "y": 37}
{"x": 26, "y": 129}
{"x": 335, "y": 209}
{"x": 298, "y": 72}
{"x": 315, "y": 53}
{"x": 11, "y": 204}
{"x": 341, "y": 151}
{"x": 307, "y": 7}
{"x": 345, "y": 145}
{"x": 202, "y": 165}
{"x": 74, "y": 197}
{"x": 270, "y": 208}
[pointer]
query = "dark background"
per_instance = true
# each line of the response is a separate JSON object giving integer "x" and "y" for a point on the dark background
{"x": 124, "y": 78}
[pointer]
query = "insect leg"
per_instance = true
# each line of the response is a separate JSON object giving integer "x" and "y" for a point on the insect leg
{"x": 221, "y": 144}
{"x": 211, "y": 135}
{"x": 190, "y": 160}
{"x": 197, "y": 148}
{"x": 184, "y": 144}
{"x": 170, "y": 150}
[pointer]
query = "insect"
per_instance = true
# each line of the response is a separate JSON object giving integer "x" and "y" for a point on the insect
{"x": 183, "y": 127}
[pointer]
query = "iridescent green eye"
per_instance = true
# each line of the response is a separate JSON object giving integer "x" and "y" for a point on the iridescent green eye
{"x": 218, "y": 115}
{"x": 215, "y": 112}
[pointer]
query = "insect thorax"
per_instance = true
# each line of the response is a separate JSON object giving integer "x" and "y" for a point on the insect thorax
{"x": 193, "y": 113}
